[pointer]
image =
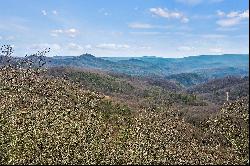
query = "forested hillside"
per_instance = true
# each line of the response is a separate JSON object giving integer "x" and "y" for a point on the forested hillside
{"x": 52, "y": 121}
{"x": 66, "y": 115}
{"x": 205, "y": 66}
{"x": 215, "y": 90}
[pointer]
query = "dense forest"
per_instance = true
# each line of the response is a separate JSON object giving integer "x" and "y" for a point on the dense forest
{"x": 52, "y": 112}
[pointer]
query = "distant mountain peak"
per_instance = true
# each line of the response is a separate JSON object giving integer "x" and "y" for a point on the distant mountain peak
{"x": 87, "y": 55}
{"x": 149, "y": 57}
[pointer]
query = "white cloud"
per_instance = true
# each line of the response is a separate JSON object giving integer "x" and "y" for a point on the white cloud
{"x": 185, "y": 48}
{"x": 112, "y": 46}
{"x": 56, "y": 46}
{"x": 227, "y": 29}
{"x": 104, "y": 12}
{"x": 106, "y": 46}
{"x": 232, "y": 14}
{"x": 116, "y": 33}
{"x": 41, "y": 46}
{"x": 44, "y": 12}
{"x": 213, "y": 36}
{"x": 215, "y": 50}
{"x": 245, "y": 14}
{"x": 140, "y": 26}
{"x": 220, "y": 13}
{"x": 58, "y": 31}
{"x": 54, "y": 12}
{"x": 145, "y": 47}
{"x": 73, "y": 47}
{"x": 88, "y": 46}
{"x": 72, "y": 32}
{"x": 232, "y": 18}
{"x": 137, "y": 25}
{"x": 185, "y": 20}
{"x": 123, "y": 46}
{"x": 228, "y": 22}
{"x": 165, "y": 13}
{"x": 146, "y": 33}
{"x": 10, "y": 38}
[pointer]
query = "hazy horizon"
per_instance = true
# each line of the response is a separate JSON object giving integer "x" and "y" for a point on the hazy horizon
{"x": 136, "y": 56}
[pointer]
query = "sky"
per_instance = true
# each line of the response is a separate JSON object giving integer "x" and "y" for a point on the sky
{"x": 122, "y": 28}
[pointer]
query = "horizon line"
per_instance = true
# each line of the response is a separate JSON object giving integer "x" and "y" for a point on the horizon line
{"x": 150, "y": 55}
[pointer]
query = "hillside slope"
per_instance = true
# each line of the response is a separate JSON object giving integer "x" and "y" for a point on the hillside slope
{"x": 47, "y": 120}
{"x": 136, "y": 91}
{"x": 187, "y": 79}
{"x": 215, "y": 90}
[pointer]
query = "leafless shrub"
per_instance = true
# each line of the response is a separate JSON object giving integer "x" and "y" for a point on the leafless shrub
{"x": 47, "y": 120}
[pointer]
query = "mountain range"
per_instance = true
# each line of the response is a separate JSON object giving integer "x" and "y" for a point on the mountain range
{"x": 210, "y": 65}
{"x": 186, "y": 71}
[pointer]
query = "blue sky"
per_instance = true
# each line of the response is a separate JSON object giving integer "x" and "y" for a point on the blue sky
{"x": 167, "y": 28}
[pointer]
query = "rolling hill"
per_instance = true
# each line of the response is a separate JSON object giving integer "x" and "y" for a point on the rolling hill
{"x": 215, "y": 90}
{"x": 47, "y": 119}
{"x": 208, "y": 66}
